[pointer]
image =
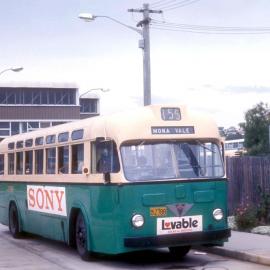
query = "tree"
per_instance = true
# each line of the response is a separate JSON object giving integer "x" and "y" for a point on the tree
{"x": 256, "y": 129}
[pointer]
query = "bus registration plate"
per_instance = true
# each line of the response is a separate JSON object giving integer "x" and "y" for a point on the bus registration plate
{"x": 183, "y": 224}
{"x": 158, "y": 211}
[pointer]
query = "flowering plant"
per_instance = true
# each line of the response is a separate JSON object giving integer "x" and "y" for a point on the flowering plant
{"x": 246, "y": 217}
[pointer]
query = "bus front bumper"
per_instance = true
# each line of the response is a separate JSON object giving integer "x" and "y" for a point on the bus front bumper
{"x": 177, "y": 239}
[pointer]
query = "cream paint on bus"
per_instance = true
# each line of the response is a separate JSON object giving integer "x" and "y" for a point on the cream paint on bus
{"x": 134, "y": 125}
{"x": 47, "y": 199}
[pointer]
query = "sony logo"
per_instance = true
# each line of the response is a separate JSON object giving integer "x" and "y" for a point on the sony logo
{"x": 47, "y": 199}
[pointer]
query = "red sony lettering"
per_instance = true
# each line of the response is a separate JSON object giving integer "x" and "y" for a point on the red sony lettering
{"x": 49, "y": 198}
{"x": 59, "y": 200}
{"x": 31, "y": 197}
{"x": 40, "y": 205}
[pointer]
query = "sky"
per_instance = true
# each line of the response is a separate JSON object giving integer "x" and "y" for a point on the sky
{"x": 221, "y": 75}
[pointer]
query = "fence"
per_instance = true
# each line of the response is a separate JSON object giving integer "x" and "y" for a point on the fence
{"x": 245, "y": 174}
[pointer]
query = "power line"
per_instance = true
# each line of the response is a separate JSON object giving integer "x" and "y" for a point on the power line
{"x": 209, "y": 32}
{"x": 163, "y": 2}
{"x": 209, "y": 29}
{"x": 183, "y": 4}
{"x": 172, "y": 4}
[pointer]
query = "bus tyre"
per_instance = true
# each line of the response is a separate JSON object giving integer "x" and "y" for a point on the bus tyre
{"x": 179, "y": 252}
{"x": 13, "y": 224}
{"x": 81, "y": 237}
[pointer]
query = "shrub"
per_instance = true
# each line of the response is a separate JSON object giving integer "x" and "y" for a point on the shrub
{"x": 263, "y": 207}
{"x": 246, "y": 217}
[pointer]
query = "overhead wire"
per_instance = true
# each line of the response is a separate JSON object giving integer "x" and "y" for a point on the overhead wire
{"x": 179, "y": 5}
{"x": 167, "y": 5}
{"x": 162, "y": 25}
{"x": 163, "y": 2}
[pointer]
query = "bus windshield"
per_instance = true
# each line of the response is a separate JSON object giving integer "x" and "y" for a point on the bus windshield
{"x": 171, "y": 160}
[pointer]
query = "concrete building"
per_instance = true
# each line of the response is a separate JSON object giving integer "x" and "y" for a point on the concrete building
{"x": 29, "y": 106}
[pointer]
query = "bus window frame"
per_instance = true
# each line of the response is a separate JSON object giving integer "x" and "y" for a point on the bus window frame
{"x": 2, "y": 164}
{"x": 11, "y": 172}
{"x": 35, "y": 161}
{"x": 69, "y": 161}
{"x": 96, "y": 159}
{"x": 21, "y": 172}
{"x": 31, "y": 167}
{"x": 47, "y": 158}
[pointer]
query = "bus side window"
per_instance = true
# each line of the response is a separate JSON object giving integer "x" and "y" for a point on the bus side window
{"x": 39, "y": 161}
{"x": 50, "y": 160}
{"x": 11, "y": 163}
{"x": 63, "y": 159}
{"x": 28, "y": 162}
{"x": 2, "y": 164}
{"x": 104, "y": 157}
{"x": 19, "y": 162}
{"x": 77, "y": 151}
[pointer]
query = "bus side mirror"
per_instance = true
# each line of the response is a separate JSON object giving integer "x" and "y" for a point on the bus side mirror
{"x": 107, "y": 177}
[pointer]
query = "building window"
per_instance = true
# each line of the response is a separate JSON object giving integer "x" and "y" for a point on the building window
{"x": 10, "y": 97}
{"x": 4, "y": 132}
{"x": 88, "y": 105}
{"x": 57, "y": 123}
{"x": 24, "y": 127}
{"x": 4, "y": 125}
{"x": 27, "y": 97}
{"x": 38, "y": 96}
{"x": 28, "y": 162}
{"x": 63, "y": 159}
{"x": 39, "y": 161}
{"x": 15, "y": 128}
{"x": 77, "y": 158}
{"x": 19, "y": 162}
{"x": 50, "y": 160}
{"x": 3, "y": 98}
{"x": 45, "y": 124}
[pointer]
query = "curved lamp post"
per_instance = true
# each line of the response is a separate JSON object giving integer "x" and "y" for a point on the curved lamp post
{"x": 90, "y": 90}
{"x": 144, "y": 44}
{"x": 14, "y": 69}
{"x": 94, "y": 89}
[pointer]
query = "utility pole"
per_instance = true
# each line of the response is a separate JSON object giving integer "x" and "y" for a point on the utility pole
{"x": 144, "y": 44}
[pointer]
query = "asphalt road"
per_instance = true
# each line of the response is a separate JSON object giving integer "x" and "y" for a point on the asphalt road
{"x": 35, "y": 253}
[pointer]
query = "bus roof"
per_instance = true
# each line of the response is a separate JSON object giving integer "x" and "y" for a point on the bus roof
{"x": 139, "y": 124}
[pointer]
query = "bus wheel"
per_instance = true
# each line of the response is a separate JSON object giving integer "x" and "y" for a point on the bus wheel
{"x": 14, "y": 221}
{"x": 81, "y": 237}
{"x": 179, "y": 252}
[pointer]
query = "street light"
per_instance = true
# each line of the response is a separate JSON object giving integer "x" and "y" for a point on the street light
{"x": 94, "y": 89}
{"x": 144, "y": 44}
{"x": 14, "y": 69}
{"x": 96, "y": 97}
{"x": 88, "y": 17}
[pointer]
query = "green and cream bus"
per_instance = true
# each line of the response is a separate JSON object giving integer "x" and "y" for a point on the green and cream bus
{"x": 152, "y": 177}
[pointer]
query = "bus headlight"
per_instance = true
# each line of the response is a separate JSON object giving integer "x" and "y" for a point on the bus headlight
{"x": 218, "y": 214}
{"x": 137, "y": 221}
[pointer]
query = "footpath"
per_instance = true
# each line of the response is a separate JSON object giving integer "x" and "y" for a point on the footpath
{"x": 245, "y": 246}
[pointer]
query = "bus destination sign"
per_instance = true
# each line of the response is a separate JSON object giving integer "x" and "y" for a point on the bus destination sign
{"x": 173, "y": 130}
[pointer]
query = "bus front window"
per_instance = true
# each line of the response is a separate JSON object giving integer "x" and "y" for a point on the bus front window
{"x": 171, "y": 160}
